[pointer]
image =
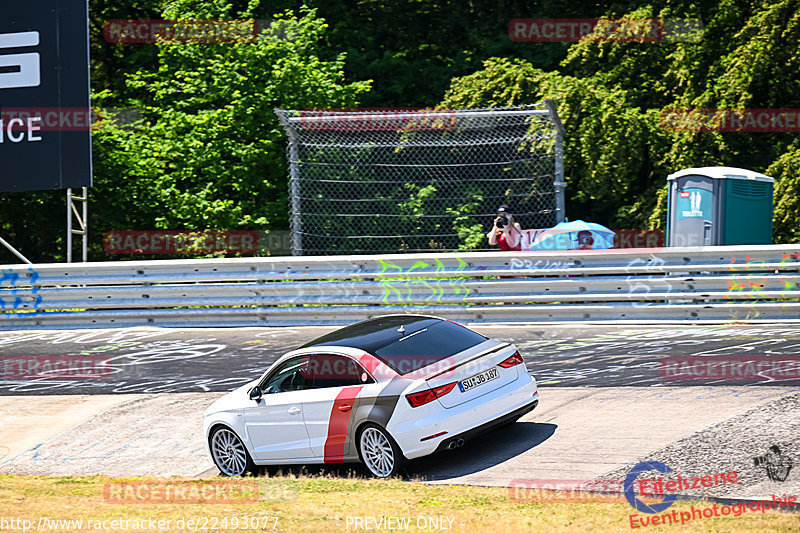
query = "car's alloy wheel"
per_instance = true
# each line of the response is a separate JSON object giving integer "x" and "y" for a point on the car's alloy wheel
{"x": 379, "y": 453}
{"x": 229, "y": 453}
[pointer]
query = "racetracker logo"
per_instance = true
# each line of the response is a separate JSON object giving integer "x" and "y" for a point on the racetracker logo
{"x": 377, "y": 119}
{"x": 619, "y": 30}
{"x": 638, "y": 238}
{"x": 777, "y": 368}
{"x": 187, "y": 492}
{"x": 181, "y": 242}
{"x": 413, "y": 367}
{"x": 566, "y": 490}
{"x": 25, "y": 367}
{"x": 731, "y": 120}
{"x": 18, "y": 122}
{"x": 181, "y": 31}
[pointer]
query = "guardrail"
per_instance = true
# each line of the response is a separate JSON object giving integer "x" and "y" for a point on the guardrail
{"x": 721, "y": 283}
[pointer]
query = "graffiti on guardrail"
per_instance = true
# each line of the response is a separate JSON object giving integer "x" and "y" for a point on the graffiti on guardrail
{"x": 754, "y": 282}
{"x": 746, "y": 284}
{"x": 428, "y": 289}
{"x": 658, "y": 283}
{"x": 539, "y": 264}
{"x": 750, "y": 287}
{"x": 10, "y": 298}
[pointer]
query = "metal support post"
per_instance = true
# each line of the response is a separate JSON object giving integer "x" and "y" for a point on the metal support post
{"x": 82, "y": 219}
{"x": 559, "y": 184}
{"x": 294, "y": 185}
{"x": 14, "y": 250}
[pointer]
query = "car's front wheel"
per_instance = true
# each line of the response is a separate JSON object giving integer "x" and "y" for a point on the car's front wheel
{"x": 380, "y": 453}
{"x": 229, "y": 453}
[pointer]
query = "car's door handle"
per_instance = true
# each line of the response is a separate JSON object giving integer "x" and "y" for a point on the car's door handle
{"x": 294, "y": 411}
{"x": 345, "y": 407}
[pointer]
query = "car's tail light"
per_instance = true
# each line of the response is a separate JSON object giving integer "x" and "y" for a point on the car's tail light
{"x": 421, "y": 398}
{"x": 514, "y": 360}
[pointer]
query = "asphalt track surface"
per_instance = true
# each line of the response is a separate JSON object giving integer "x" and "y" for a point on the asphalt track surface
{"x": 607, "y": 403}
{"x": 156, "y": 360}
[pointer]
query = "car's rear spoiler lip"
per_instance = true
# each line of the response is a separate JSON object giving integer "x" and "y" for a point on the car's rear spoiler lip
{"x": 467, "y": 361}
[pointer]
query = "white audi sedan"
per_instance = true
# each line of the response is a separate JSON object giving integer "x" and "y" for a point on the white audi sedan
{"x": 381, "y": 392}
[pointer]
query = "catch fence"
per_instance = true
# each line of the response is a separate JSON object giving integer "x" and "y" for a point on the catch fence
{"x": 402, "y": 181}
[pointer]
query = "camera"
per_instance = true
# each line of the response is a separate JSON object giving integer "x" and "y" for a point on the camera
{"x": 502, "y": 221}
{"x": 777, "y": 466}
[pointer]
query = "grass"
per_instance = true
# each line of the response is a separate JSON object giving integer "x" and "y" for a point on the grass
{"x": 300, "y": 504}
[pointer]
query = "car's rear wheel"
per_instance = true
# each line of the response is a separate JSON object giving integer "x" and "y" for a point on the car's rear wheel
{"x": 229, "y": 453}
{"x": 380, "y": 453}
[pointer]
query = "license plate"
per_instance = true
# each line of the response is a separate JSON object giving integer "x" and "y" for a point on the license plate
{"x": 478, "y": 379}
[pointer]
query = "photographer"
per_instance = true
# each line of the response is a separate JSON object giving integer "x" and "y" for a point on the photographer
{"x": 585, "y": 240}
{"x": 505, "y": 232}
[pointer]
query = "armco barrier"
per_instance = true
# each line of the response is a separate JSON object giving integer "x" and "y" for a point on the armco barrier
{"x": 720, "y": 283}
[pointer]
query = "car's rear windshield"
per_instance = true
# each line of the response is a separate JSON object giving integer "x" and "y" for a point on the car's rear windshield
{"x": 405, "y": 343}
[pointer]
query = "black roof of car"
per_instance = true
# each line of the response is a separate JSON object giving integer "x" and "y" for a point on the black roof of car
{"x": 373, "y": 334}
{"x": 404, "y": 342}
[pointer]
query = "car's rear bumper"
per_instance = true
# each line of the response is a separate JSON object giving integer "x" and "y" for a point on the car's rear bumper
{"x": 418, "y": 436}
{"x": 488, "y": 426}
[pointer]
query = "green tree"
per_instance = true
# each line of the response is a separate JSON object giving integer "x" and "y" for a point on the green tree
{"x": 613, "y": 95}
{"x": 210, "y": 153}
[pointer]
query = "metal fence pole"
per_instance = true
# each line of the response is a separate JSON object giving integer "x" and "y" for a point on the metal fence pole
{"x": 69, "y": 225}
{"x": 559, "y": 182}
{"x": 294, "y": 185}
{"x": 85, "y": 211}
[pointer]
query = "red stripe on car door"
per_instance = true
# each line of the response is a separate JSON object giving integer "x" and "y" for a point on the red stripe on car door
{"x": 339, "y": 424}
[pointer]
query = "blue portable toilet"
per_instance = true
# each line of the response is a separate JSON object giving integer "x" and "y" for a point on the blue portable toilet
{"x": 719, "y": 205}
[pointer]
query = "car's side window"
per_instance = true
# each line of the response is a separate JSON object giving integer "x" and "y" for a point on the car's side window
{"x": 291, "y": 375}
{"x": 329, "y": 370}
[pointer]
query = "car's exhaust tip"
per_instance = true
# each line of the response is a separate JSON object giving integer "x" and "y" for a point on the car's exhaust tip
{"x": 455, "y": 443}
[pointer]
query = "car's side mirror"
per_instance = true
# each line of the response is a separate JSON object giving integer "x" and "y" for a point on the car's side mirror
{"x": 255, "y": 393}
